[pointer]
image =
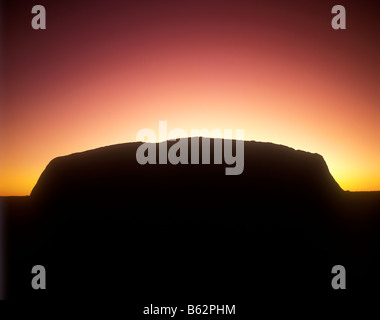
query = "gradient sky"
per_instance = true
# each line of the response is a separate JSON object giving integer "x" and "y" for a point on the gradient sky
{"x": 103, "y": 70}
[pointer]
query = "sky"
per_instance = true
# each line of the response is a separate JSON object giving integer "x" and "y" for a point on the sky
{"x": 103, "y": 70}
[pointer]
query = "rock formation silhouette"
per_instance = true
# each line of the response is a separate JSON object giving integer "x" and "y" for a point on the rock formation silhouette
{"x": 105, "y": 226}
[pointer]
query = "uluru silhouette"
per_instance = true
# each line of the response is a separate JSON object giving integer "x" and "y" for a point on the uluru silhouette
{"x": 104, "y": 225}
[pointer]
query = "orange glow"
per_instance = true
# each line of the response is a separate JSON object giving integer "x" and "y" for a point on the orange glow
{"x": 283, "y": 75}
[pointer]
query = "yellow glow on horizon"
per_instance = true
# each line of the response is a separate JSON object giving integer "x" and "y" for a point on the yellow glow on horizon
{"x": 21, "y": 181}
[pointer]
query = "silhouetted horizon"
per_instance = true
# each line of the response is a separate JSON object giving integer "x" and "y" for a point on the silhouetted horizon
{"x": 171, "y": 141}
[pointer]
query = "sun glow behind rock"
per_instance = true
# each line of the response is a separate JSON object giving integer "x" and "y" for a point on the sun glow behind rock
{"x": 282, "y": 75}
